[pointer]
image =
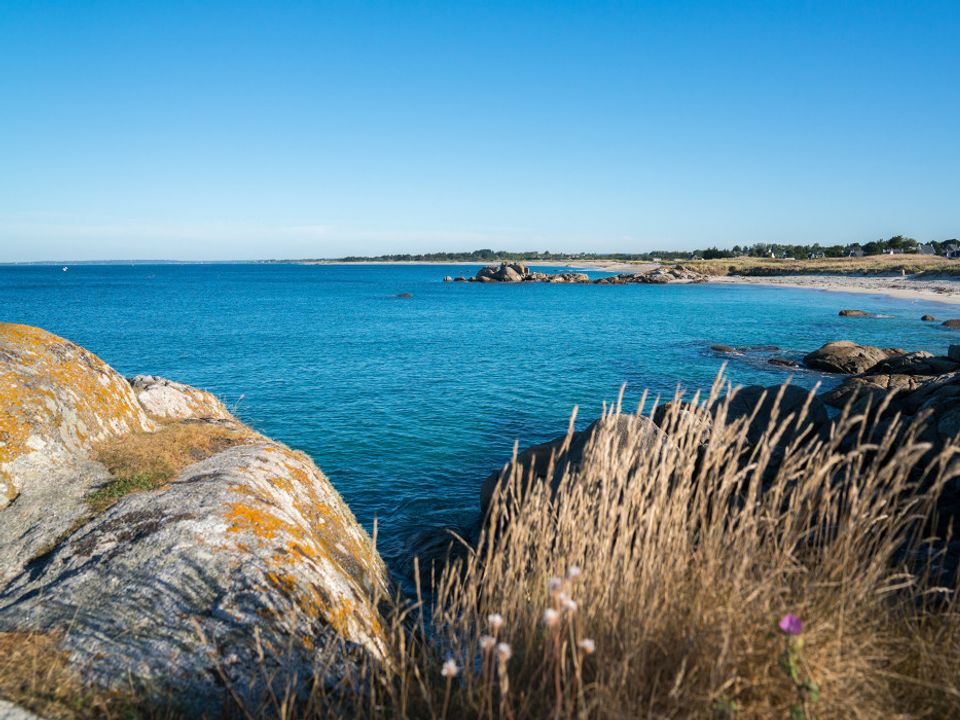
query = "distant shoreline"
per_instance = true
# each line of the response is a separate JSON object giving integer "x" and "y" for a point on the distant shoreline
{"x": 598, "y": 265}
{"x": 942, "y": 290}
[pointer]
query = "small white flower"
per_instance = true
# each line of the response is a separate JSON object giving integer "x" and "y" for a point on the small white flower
{"x": 573, "y": 572}
{"x": 504, "y": 651}
{"x": 486, "y": 642}
{"x": 551, "y": 617}
{"x": 587, "y": 645}
{"x": 553, "y": 585}
{"x": 495, "y": 621}
{"x": 450, "y": 669}
{"x": 569, "y": 605}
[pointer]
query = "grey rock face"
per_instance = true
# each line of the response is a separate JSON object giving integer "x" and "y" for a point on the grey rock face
{"x": 626, "y": 431}
{"x": 872, "y": 387}
{"x": 56, "y": 400}
{"x": 177, "y": 587}
{"x": 760, "y": 402}
{"x": 168, "y": 584}
{"x": 914, "y": 363}
{"x": 9, "y": 711}
{"x": 847, "y": 357}
{"x": 168, "y": 400}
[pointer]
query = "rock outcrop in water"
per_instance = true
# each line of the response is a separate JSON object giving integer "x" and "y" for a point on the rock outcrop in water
{"x": 845, "y": 357}
{"x": 518, "y": 272}
{"x": 177, "y": 588}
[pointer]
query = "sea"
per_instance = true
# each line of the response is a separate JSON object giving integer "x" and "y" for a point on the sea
{"x": 407, "y": 404}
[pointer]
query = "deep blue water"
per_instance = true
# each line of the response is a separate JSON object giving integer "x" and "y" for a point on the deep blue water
{"x": 407, "y": 404}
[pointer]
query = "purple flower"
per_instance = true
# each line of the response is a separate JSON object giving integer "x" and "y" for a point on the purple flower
{"x": 791, "y": 624}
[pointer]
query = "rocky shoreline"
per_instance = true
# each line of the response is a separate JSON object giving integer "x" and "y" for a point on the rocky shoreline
{"x": 894, "y": 389}
{"x": 520, "y": 273}
{"x": 244, "y": 545}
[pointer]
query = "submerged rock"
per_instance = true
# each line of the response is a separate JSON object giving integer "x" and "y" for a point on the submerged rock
{"x": 928, "y": 318}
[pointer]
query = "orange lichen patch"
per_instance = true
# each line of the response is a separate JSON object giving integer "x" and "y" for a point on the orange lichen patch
{"x": 315, "y": 553}
{"x": 244, "y": 518}
{"x": 53, "y": 392}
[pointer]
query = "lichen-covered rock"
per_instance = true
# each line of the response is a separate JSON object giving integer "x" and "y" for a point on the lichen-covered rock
{"x": 246, "y": 551}
{"x": 168, "y": 400}
{"x": 251, "y": 546}
{"x": 56, "y": 400}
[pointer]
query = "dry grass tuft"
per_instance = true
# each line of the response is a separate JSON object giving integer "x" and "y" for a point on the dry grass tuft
{"x": 35, "y": 675}
{"x": 146, "y": 461}
{"x": 652, "y": 583}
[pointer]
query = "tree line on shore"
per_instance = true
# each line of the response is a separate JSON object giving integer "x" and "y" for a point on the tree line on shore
{"x": 896, "y": 244}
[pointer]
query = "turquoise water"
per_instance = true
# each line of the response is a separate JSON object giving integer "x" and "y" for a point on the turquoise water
{"x": 407, "y": 404}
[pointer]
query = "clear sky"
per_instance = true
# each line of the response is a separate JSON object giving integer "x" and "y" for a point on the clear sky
{"x": 201, "y": 130}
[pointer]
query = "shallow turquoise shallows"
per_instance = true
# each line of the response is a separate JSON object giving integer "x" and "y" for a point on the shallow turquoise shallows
{"x": 407, "y": 404}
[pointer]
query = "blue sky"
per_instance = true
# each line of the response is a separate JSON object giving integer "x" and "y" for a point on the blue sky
{"x": 243, "y": 130}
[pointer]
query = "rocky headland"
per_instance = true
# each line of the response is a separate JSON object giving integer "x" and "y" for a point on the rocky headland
{"x": 162, "y": 546}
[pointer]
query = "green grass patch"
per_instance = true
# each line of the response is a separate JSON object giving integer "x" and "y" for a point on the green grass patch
{"x": 102, "y": 498}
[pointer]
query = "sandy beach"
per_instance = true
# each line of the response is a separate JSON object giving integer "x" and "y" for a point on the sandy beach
{"x": 944, "y": 289}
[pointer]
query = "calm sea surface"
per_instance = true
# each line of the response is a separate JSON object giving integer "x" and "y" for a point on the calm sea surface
{"x": 407, "y": 404}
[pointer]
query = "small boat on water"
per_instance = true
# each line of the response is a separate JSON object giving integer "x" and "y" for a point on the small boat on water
{"x": 65, "y": 268}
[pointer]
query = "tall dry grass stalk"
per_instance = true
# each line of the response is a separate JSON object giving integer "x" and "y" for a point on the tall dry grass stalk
{"x": 650, "y": 585}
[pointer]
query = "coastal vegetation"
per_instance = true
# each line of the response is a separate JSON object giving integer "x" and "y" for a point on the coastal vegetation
{"x": 916, "y": 265}
{"x": 744, "y": 554}
{"x": 146, "y": 461}
{"x": 700, "y": 576}
{"x": 897, "y": 244}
